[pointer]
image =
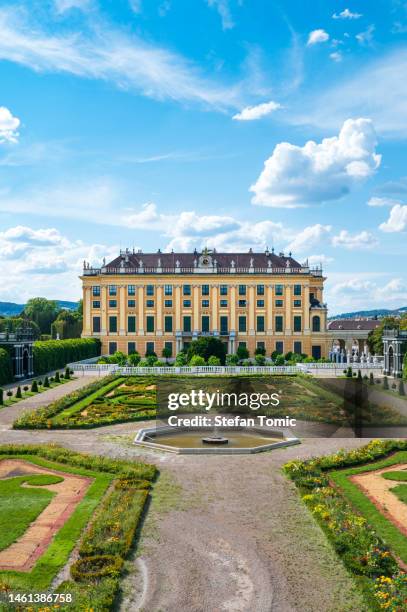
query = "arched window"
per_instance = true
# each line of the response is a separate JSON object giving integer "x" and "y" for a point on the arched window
{"x": 316, "y": 324}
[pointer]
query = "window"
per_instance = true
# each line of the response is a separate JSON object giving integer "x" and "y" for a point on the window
{"x": 242, "y": 303}
{"x": 297, "y": 323}
{"x": 260, "y": 303}
{"x": 280, "y": 347}
{"x": 150, "y": 303}
{"x": 96, "y": 304}
{"x": 187, "y": 303}
{"x": 113, "y": 324}
{"x": 168, "y": 303}
{"x": 279, "y": 289}
{"x": 168, "y": 346}
{"x": 131, "y": 348}
{"x": 150, "y": 323}
{"x": 316, "y": 352}
{"x": 311, "y": 296}
{"x": 260, "y": 323}
{"x": 261, "y": 345}
{"x": 223, "y": 325}
{"x": 112, "y": 348}
{"x": 186, "y": 289}
{"x": 131, "y": 303}
{"x": 131, "y": 289}
{"x": 279, "y": 303}
{"x": 316, "y": 324}
{"x": 112, "y": 303}
{"x": 242, "y": 344}
{"x": 205, "y": 323}
{"x": 112, "y": 289}
{"x": 167, "y": 289}
{"x": 96, "y": 325}
{"x": 131, "y": 324}
{"x": 205, "y": 289}
{"x": 260, "y": 289}
{"x": 242, "y": 289}
{"x": 168, "y": 323}
{"x": 223, "y": 303}
{"x": 297, "y": 303}
{"x": 279, "y": 323}
{"x": 187, "y": 323}
{"x": 150, "y": 290}
{"x": 297, "y": 289}
{"x": 298, "y": 348}
{"x": 149, "y": 348}
{"x": 96, "y": 290}
{"x": 205, "y": 303}
{"x": 242, "y": 323}
{"x": 223, "y": 289}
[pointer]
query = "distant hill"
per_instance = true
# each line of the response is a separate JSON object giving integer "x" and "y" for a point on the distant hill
{"x": 10, "y": 309}
{"x": 379, "y": 313}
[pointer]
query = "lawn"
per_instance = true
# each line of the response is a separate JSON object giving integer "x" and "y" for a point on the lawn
{"x": 10, "y": 400}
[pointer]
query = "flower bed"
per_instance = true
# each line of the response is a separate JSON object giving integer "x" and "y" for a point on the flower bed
{"x": 360, "y": 546}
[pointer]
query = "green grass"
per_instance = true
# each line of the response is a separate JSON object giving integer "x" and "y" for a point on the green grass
{"x": 401, "y": 492}
{"x": 400, "y": 475}
{"x": 9, "y": 401}
{"x": 388, "y": 532}
{"x": 85, "y": 402}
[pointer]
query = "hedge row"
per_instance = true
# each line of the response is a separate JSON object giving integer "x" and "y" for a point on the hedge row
{"x": 54, "y": 354}
{"x": 6, "y": 368}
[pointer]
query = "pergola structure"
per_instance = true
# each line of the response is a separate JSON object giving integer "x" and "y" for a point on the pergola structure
{"x": 20, "y": 345}
{"x": 349, "y": 339}
{"x": 394, "y": 348}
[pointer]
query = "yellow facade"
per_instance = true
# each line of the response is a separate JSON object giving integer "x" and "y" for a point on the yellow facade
{"x": 137, "y": 308}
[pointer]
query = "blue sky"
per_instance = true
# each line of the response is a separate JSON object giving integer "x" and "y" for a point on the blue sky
{"x": 227, "y": 123}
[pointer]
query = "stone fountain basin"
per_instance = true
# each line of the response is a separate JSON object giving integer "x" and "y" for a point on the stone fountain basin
{"x": 150, "y": 438}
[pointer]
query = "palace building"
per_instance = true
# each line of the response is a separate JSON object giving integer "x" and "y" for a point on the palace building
{"x": 147, "y": 301}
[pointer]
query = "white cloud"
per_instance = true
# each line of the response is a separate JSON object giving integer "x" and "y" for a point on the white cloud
{"x": 317, "y": 36}
{"x": 336, "y": 56}
{"x": 315, "y": 260}
{"x": 346, "y": 14}
{"x": 363, "y": 240}
{"x": 223, "y": 8}
{"x": 366, "y": 37}
{"x": 296, "y": 176}
{"x": 397, "y": 221}
{"x": 376, "y": 201}
{"x": 256, "y": 112}
{"x": 308, "y": 237}
{"x": 360, "y": 293}
{"x": 8, "y": 126}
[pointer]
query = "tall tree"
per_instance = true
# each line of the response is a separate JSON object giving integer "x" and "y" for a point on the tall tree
{"x": 43, "y": 312}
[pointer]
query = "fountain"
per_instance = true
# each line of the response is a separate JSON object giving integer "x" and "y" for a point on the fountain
{"x": 215, "y": 438}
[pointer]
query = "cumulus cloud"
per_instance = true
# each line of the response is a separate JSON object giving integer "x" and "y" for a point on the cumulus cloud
{"x": 308, "y": 237}
{"x": 317, "y": 36}
{"x": 319, "y": 260}
{"x": 361, "y": 241}
{"x": 397, "y": 221}
{"x": 359, "y": 292}
{"x": 347, "y": 14}
{"x": 336, "y": 56}
{"x": 377, "y": 201}
{"x": 295, "y": 176}
{"x": 256, "y": 112}
{"x": 8, "y": 126}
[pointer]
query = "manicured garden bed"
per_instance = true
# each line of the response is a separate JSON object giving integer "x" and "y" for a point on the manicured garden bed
{"x": 110, "y": 510}
{"x": 370, "y": 546}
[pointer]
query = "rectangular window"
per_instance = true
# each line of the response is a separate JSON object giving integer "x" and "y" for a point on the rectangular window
{"x": 280, "y": 347}
{"x": 167, "y": 289}
{"x": 131, "y": 348}
{"x": 96, "y": 325}
{"x": 187, "y": 303}
{"x": 149, "y": 348}
{"x": 261, "y": 345}
{"x": 260, "y": 323}
{"x": 112, "y": 303}
{"x": 96, "y": 291}
{"x": 150, "y": 323}
{"x": 113, "y": 324}
{"x": 186, "y": 289}
{"x": 297, "y": 303}
{"x": 131, "y": 303}
{"x": 279, "y": 303}
{"x": 168, "y": 303}
{"x": 260, "y": 303}
{"x": 242, "y": 323}
{"x": 316, "y": 351}
{"x": 297, "y": 289}
{"x": 279, "y": 289}
{"x": 242, "y": 303}
{"x": 150, "y": 303}
{"x": 112, "y": 289}
{"x": 205, "y": 289}
{"x": 205, "y": 303}
{"x": 150, "y": 290}
{"x": 96, "y": 304}
{"x": 131, "y": 324}
{"x": 242, "y": 289}
{"x": 279, "y": 323}
{"x": 223, "y": 325}
{"x": 187, "y": 323}
{"x": 298, "y": 348}
{"x": 260, "y": 289}
{"x": 112, "y": 348}
{"x": 242, "y": 344}
{"x": 223, "y": 290}
{"x": 223, "y": 303}
{"x": 168, "y": 346}
{"x": 131, "y": 289}
{"x": 297, "y": 323}
{"x": 205, "y": 323}
{"x": 168, "y": 323}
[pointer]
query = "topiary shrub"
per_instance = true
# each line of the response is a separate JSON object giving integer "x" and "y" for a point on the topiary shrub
{"x": 91, "y": 569}
{"x": 57, "y": 377}
{"x": 34, "y": 386}
{"x": 46, "y": 382}
{"x": 232, "y": 360}
{"x": 371, "y": 379}
{"x": 385, "y": 383}
{"x": 401, "y": 388}
{"x": 1, "y": 397}
{"x": 197, "y": 360}
{"x": 67, "y": 374}
{"x": 9, "y": 394}
{"x": 18, "y": 392}
{"x": 260, "y": 359}
{"x": 25, "y": 388}
{"x": 213, "y": 361}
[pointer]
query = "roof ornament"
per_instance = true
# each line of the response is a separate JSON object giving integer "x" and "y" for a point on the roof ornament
{"x": 159, "y": 251}
{"x": 104, "y": 261}
{"x": 272, "y": 249}
{"x": 232, "y": 264}
{"x": 140, "y": 264}
{"x": 159, "y": 262}
{"x": 287, "y": 263}
{"x": 289, "y": 254}
{"x": 269, "y": 263}
{"x": 267, "y": 252}
{"x": 251, "y": 261}
{"x": 195, "y": 262}
{"x": 122, "y": 263}
{"x": 250, "y": 250}
{"x": 215, "y": 263}
{"x": 84, "y": 264}
{"x": 177, "y": 264}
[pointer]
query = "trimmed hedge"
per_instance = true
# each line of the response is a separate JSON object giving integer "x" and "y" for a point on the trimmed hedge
{"x": 53, "y": 354}
{"x": 6, "y": 368}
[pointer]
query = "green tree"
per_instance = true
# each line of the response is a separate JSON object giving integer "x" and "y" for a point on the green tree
{"x": 260, "y": 359}
{"x": 46, "y": 382}
{"x": 18, "y": 392}
{"x": 68, "y": 324}
{"x": 34, "y": 386}
{"x": 214, "y": 361}
{"x": 207, "y": 346}
{"x": 375, "y": 341}
{"x": 166, "y": 353}
{"x": 181, "y": 359}
{"x": 279, "y": 360}
{"x": 133, "y": 359}
{"x": 197, "y": 360}
{"x": 43, "y": 312}
{"x": 260, "y": 350}
{"x": 232, "y": 360}
{"x": 242, "y": 352}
